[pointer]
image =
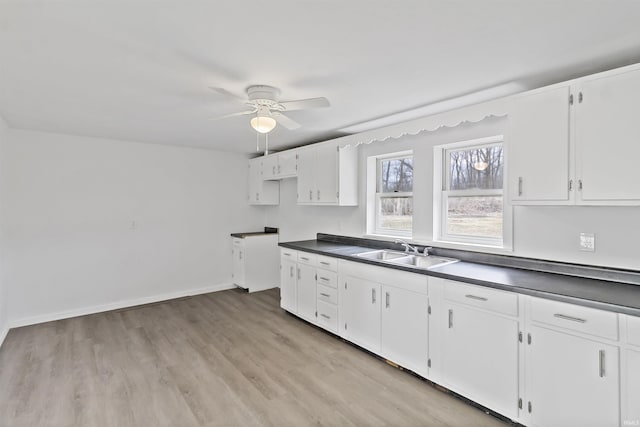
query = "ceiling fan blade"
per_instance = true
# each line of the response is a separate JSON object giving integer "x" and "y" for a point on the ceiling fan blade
{"x": 226, "y": 116}
{"x": 305, "y": 104}
{"x": 285, "y": 121}
{"x": 226, "y": 93}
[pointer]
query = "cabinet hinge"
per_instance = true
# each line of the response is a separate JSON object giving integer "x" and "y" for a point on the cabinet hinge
{"x": 345, "y": 326}
{"x": 345, "y": 286}
{"x": 570, "y": 185}
{"x": 580, "y": 184}
{"x": 519, "y": 403}
{"x": 529, "y": 406}
{"x": 428, "y": 363}
{"x": 519, "y": 336}
{"x": 529, "y": 339}
{"x": 580, "y": 98}
{"x": 571, "y": 99}
{"x": 316, "y": 314}
{"x": 337, "y": 194}
{"x": 316, "y": 279}
{"x": 338, "y": 149}
{"x": 429, "y": 309}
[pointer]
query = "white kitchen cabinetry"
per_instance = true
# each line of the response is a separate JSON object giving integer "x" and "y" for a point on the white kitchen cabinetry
{"x": 306, "y": 286}
{"x": 404, "y": 337}
{"x": 631, "y": 375}
{"x": 255, "y": 261}
{"x": 360, "y": 312}
{"x": 327, "y": 293}
{"x": 572, "y": 370}
{"x": 327, "y": 175}
{"x": 288, "y": 280}
{"x": 280, "y": 165}
{"x": 477, "y": 345}
{"x": 261, "y": 192}
{"x": 538, "y": 152}
{"x": 576, "y": 142}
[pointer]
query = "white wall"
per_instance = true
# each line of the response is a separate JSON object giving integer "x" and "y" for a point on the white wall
{"x": 4, "y": 325}
{"x": 94, "y": 224}
{"x": 542, "y": 232}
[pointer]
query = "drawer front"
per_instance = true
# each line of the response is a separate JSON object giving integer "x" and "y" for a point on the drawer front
{"x": 238, "y": 242}
{"x": 328, "y": 316}
{"x": 307, "y": 258}
{"x": 327, "y": 278}
{"x": 633, "y": 330}
{"x": 478, "y": 296}
{"x": 326, "y": 294}
{"x": 328, "y": 263}
{"x": 289, "y": 254}
{"x": 575, "y": 317}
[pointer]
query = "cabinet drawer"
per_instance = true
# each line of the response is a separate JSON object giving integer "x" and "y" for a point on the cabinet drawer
{"x": 307, "y": 258}
{"x": 328, "y": 316}
{"x": 328, "y": 263}
{"x": 575, "y": 317}
{"x": 481, "y": 297}
{"x": 633, "y": 330}
{"x": 326, "y": 294}
{"x": 289, "y": 254}
{"x": 327, "y": 278}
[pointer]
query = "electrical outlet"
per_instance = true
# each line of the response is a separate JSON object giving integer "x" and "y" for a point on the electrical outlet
{"x": 587, "y": 242}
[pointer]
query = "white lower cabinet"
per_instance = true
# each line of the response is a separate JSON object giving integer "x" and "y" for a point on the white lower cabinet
{"x": 571, "y": 381}
{"x": 360, "y": 312}
{"x": 631, "y": 392}
{"x": 288, "y": 280}
{"x": 306, "y": 292}
{"x": 404, "y": 337}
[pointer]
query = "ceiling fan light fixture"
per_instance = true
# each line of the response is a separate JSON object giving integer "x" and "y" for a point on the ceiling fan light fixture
{"x": 263, "y": 124}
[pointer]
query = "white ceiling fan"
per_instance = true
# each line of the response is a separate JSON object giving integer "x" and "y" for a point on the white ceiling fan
{"x": 264, "y": 103}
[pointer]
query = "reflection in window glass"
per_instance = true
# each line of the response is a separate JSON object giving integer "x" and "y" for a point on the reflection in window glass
{"x": 476, "y": 168}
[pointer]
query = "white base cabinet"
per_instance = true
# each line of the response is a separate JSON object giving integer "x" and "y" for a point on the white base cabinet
{"x": 255, "y": 262}
{"x": 360, "y": 312}
{"x": 289, "y": 280}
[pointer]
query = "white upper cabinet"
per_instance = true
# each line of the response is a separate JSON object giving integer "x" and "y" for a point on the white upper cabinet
{"x": 538, "y": 147}
{"x": 280, "y": 165}
{"x": 577, "y": 142}
{"x": 327, "y": 175}
{"x": 261, "y": 192}
{"x": 608, "y": 138}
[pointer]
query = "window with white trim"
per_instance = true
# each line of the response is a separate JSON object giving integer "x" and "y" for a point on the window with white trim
{"x": 394, "y": 195}
{"x": 471, "y": 195}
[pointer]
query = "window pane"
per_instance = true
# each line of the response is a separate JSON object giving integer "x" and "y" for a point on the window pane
{"x": 478, "y": 216}
{"x": 396, "y": 213}
{"x": 476, "y": 168}
{"x": 396, "y": 175}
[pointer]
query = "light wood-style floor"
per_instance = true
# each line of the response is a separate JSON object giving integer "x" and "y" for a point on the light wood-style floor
{"x": 222, "y": 359}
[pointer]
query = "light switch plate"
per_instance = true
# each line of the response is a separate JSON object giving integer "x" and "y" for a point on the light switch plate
{"x": 587, "y": 242}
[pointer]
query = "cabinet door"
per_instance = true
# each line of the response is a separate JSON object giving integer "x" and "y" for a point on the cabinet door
{"x": 405, "y": 328}
{"x": 255, "y": 180}
{"x": 360, "y": 310}
{"x": 632, "y": 392}
{"x": 326, "y": 176}
{"x": 306, "y": 175}
{"x": 607, "y": 138}
{"x": 270, "y": 166}
{"x": 480, "y": 357}
{"x": 239, "y": 266}
{"x": 287, "y": 163}
{"x": 288, "y": 294}
{"x": 306, "y": 292}
{"x": 538, "y": 147}
{"x": 571, "y": 380}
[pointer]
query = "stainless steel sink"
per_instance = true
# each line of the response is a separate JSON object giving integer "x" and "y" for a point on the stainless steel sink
{"x": 426, "y": 262}
{"x": 382, "y": 255}
{"x": 402, "y": 258}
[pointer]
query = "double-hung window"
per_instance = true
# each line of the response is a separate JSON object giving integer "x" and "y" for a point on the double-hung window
{"x": 471, "y": 197}
{"x": 394, "y": 195}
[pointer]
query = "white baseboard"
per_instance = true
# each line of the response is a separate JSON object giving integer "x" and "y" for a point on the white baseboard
{"x": 3, "y": 335}
{"x": 32, "y": 320}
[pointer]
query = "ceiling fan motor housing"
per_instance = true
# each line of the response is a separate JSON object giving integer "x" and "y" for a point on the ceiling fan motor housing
{"x": 263, "y": 93}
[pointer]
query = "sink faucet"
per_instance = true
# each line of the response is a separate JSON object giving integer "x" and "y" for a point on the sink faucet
{"x": 407, "y": 246}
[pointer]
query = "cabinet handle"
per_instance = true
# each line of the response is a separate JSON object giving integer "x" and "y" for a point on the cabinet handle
{"x": 580, "y": 184}
{"x": 373, "y": 296}
{"x": 323, "y": 278}
{"x": 279, "y": 169}
{"x": 240, "y": 254}
{"x": 298, "y": 274}
{"x": 273, "y": 170}
{"x": 580, "y": 97}
{"x": 318, "y": 194}
{"x": 519, "y": 186}
{"x": 386, "y": 297}
{"x": 258, "y": 197}
{"x": 476, "y": 297}
{"x": 324, "y": 263}
{"x": 291, "y": 271}
{"x": 304, "y": 258}
{"x": 325, "y": 316}
{"x": 310, "y": 194}
{"x": 571, "y": 318}
{"x": 286, "y": 254}
{"x": 601, "y": 359}
{"x": 570, "y": 185}
{"x": 450, "y": 318}
{"x": 325, "y": 295}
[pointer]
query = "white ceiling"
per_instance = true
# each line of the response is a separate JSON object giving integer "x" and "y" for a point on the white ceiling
{"x": 139, "y": 70}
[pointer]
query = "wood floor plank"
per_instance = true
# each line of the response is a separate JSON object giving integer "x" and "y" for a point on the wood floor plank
{"x": 222, "y": 359}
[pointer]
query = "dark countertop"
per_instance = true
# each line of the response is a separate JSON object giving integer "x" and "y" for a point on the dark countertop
{"x": 267, "y": 230}
{"x": 601, "y": 294}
